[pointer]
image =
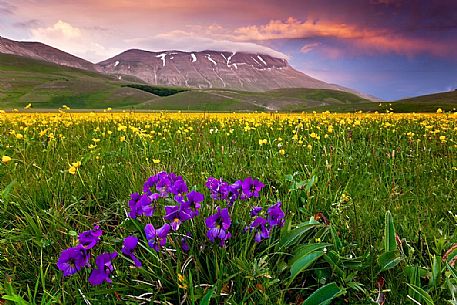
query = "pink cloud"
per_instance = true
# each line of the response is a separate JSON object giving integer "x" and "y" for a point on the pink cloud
{"x": 366, "y": 39}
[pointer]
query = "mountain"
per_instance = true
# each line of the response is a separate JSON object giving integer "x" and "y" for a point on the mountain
{"x": 44, "y": 52}
{"x": 205, "y": 70}
{"x": 211, "y": 69}
{"x": 49, "y": 86}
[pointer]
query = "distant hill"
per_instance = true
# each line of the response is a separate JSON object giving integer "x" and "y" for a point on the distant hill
{"x": 292, "y": 99}
{"x": 43, "y": 52}
{"x": 46, "y": 85}
{"x": 430, "y": 102}
{"x": 447, "y": 101}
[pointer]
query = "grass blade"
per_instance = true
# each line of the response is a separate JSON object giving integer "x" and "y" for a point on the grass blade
{"x": 422, "y": 293}
{"x": 323, "y": 295}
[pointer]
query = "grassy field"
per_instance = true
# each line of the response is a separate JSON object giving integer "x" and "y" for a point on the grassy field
{"x": 45, "y": 85}
{"x": 369, "y": 201}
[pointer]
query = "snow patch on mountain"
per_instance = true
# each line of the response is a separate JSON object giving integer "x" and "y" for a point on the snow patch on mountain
{"x": 211, "y": 60}
{"x": 162, "y": 57}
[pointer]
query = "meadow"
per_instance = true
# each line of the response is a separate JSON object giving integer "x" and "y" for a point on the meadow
{"x": 369, "y": 203}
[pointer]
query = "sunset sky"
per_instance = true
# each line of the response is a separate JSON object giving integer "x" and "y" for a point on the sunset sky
{"x": 387, "y": 48}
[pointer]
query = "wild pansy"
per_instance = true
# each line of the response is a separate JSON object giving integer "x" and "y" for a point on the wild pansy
{"x": 184, "y": 242}
{"x": 178, "y": 187}
{"x": 192, "y": 203}
{"x": 218, "y": 188}
{"x": 72, "y": 260}
{"x": 88, "y": 239}
{"x": 262, "y": 226}
{"x": 156, "y": 238}
{"x": 128, "y": 249}
{"x": 275, "y": 215}
{"x": 177, "y": 214}
{"x": 133, "y": 205}
{"x": 221, "y": 190}
{"x": 142, "y": 205}
{"x": 251, "y": 187}
{"x": 104, "y": 269}
{"x": 259, "y": 226}
{"x": 255, "y": 211}
{"x": 165, "y": 183}
{"x": 218, "y": 225}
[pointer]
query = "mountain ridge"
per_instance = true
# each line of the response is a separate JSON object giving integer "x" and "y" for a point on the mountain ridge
{"x": 207, "y": 69}
{"x": 211, "y": 69}
{"x": 38, "y": 50}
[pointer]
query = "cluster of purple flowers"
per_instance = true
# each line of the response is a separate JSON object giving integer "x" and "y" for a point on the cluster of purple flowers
{"x": 262, "y": 226}
{"x": 240, "y": 190}
{"x": 76, "y": 258}
{"x": 159, "y": 186}
{"x": 170, "y": 187}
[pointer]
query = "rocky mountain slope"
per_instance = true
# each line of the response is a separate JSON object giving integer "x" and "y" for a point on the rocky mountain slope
{"x": 38, "y": 50}
{"x": 211, "y": 69}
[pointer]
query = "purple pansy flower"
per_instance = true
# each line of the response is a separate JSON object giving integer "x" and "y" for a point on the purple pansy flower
{"x": 276, "y": 215}
{"x": 142, "y": 204}
{"x": 88, "y": 239}
{"x": 104, "y": 269}
{"x": 261, "y": 231}
{"x": 179, "y": 187}
{"x": 150, "y": 184}
{"x": 177, "y": 214}
{"x": 163, "y": 186}
{"x": 147, "y": 204}
{"x": 156, "y": 238}
{"x": 165, "y": 183}
{"x": 128, "y": 249}
{"x": 234, "y": 192}
{"x": 135, "y": 209}
{"x": 218, "y": 225}
{"x": 192, "y": 203}
{"x": 255, "y": 211}
{"x": 218, "y": 188}
{"x": 251, "y": 187}
{"x": 72, "y": 260}
{"x": 184, "y": 242}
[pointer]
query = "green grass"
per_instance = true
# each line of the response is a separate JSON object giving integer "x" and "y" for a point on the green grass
{"x": 45, "y": 85}
{"x": 353, "y": 177}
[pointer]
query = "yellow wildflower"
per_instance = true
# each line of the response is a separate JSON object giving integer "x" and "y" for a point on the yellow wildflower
{"x": 74, "y": 167}
{"x": 262, "y": 142}
{"x": 6, "y": 159}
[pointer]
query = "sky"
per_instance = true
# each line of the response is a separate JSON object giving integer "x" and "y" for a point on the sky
{"x": 390, "y": 49}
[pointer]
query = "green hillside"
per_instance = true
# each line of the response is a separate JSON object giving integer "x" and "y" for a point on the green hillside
{"x": 447, "y": 101}
{"x": 46, "y": 85}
